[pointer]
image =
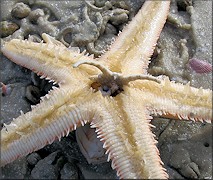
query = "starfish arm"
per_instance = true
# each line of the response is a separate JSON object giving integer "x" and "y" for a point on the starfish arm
{"x": 60, "y": 112}
{"x": 132, "y": 49}
{"x": 175, "y": 100}
{"x": 50, "y": 60}
{"x": 123, "y": 126}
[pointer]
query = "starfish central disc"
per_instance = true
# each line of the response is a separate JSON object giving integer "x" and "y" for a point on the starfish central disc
{"x": 111, "y": 83}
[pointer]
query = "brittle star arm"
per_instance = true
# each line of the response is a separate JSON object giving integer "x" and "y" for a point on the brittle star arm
{"x": 175, "y": 100}
{"x": 131, "y": 51}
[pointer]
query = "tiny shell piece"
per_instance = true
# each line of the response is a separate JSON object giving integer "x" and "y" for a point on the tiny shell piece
{"x": 90, "y": 146}
{"x": 6, "y": 89}
{"x": 200, "y": 66}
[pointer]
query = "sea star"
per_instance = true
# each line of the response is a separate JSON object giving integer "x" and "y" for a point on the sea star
{"x": 114, "y": 94}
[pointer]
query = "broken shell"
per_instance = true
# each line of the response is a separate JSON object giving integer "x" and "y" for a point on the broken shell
{"x": 6, "y": 89}
{"x": 90, "y": 146}
{"x": 200, "y": 66}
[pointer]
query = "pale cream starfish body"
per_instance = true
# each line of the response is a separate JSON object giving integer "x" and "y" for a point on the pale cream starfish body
{"x": 96, "y": 92}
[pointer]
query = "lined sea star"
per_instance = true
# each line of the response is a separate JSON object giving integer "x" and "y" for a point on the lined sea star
{"x": 113, "y": 93}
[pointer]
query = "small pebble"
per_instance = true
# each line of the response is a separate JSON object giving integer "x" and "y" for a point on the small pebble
{"x": 33, "y": 94}
{"x": 7, "y": 28}
{"x": 69, "y": 171}
{"x": 35, "y": 14}
{"x": 21, "y": 10}
{"x": 45, "y": 168}
{"x": 33, "y": 158}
